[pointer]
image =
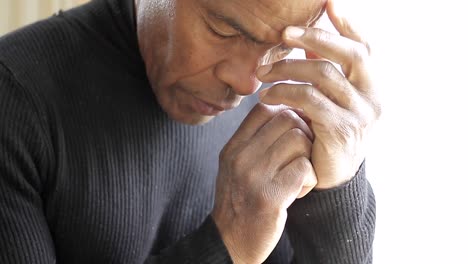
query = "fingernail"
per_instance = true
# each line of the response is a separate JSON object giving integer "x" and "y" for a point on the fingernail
{"x": 264, "y": 70}
{"x": 262, "y": 93}
{"x": 294, "y": 32}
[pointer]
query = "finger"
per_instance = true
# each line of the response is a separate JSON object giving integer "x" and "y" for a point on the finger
{"x": 256, "y": 119}
{"x": 309, "y": 183}
{"x": 292, "y": 178}
{"x": 279, "y": 125}
{"x": 319, "y": 108}
{"x": 351, "y": 55}
{"x": 342, "y": 24}
{"x": 321, "y": 74}
{"x": 305, "y": 191}
{"x": 290, "y": 146}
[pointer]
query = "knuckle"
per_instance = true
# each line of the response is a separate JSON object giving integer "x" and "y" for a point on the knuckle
{"x": 326, "y": 69}
{"x": 320, "y": 36}
{"x": 320, "y": 103}
{"x": 224, "y": 153}
{"x": 303, "y": 145}
{"x": 238, "y": 163}
{"x": 261, "y": 109}
{"x": 250, "y": 179}
{"x": 296, "y": 134}
{"x": 268, "y": 111}
{"x": 356, "y": 126}
{"x": 304, "y": 166}
{"x": 288, "y": 116}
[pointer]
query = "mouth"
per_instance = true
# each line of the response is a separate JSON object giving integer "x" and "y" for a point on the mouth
{"x": 206, "y": 107}
{"x": 209, "y": 109}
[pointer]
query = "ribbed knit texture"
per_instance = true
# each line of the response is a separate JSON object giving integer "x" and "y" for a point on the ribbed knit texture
{"x": 93, "y": 171}
{"x": 340, "y": 224}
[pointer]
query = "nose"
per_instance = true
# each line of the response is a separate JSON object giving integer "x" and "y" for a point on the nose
{"x": 237, "y": 69}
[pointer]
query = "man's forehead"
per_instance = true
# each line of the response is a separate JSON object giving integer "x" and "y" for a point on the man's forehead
{"x": 268, "y": 18}
{"x": 290, "y": 12}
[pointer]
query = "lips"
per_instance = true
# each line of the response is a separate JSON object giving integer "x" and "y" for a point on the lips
{"x": 205, "y": 108}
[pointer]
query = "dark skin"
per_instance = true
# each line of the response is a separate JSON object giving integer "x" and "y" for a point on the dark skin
{"x": 191, "y": 53}
{"x": 203, "y": 56}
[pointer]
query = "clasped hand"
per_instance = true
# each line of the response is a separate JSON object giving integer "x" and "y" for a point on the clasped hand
{"x": 342, "y": 106}
{"x": 276, "y": 156}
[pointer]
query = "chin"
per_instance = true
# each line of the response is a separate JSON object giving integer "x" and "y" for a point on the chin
{"x": 195, "y": 121}
{"x": 180, "y": 111}
{"x": 190, "y": 119}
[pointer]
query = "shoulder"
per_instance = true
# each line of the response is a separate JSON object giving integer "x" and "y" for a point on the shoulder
{"x": 24, "y": 135}
{"x": 41, "y": 49}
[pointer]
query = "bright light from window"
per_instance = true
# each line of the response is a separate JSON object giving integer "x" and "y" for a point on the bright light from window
{"x": 417, "y": 162}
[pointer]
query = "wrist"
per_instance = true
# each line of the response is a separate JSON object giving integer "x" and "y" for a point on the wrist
{"x": 331, "y": 184}
{"x": 334, "y": 180}
{"x": 337, "y": 181}
{"x": 227, "y": 238}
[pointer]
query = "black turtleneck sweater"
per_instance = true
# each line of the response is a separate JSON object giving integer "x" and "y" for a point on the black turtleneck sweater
{"x": 93, "y": 171}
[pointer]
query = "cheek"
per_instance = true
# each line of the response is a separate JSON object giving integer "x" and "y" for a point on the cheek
{"x": 194, "y": 53}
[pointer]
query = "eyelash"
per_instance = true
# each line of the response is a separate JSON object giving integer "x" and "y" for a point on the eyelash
{"x": 214, "y": 32}
{"x": 281, "y": 48}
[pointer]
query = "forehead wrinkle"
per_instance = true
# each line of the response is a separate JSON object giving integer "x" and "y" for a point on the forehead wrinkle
{"x": 296, "y": 12}
{"x": 237, "y": 26}
{"x": 278, "y": 23}
{"x": 267, "y": 16}
{"x": 263, "y": 22}
{"x": 274, "y": 13}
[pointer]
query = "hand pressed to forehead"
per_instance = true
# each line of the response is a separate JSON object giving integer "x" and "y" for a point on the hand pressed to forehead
{"x": 264, "y": 20}
{"x": 202, "y": 55}
{"x": 342, "y": 106}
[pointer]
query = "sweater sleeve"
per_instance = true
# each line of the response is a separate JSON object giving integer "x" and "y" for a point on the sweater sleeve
{"x": 202, "y": 246}
{"x": 24, "y": 233}
{"x": 334, "y": 226}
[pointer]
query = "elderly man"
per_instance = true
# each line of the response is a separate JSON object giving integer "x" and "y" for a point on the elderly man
{"x": 98, "y": 164}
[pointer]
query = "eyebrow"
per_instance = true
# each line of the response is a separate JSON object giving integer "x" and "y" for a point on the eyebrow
{"x": 237, "y": 26}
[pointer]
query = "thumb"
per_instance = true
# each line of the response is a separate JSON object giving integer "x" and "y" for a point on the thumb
{"x": 308, "y": 184}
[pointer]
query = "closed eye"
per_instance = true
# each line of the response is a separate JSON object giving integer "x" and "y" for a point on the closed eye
{"x": 222, "y": 33}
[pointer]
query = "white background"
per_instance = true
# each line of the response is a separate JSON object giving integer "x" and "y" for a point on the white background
{"x": 418, "y": 156}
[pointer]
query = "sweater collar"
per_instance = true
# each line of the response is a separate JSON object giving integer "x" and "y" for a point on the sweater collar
{"x": 123, "y": 13}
